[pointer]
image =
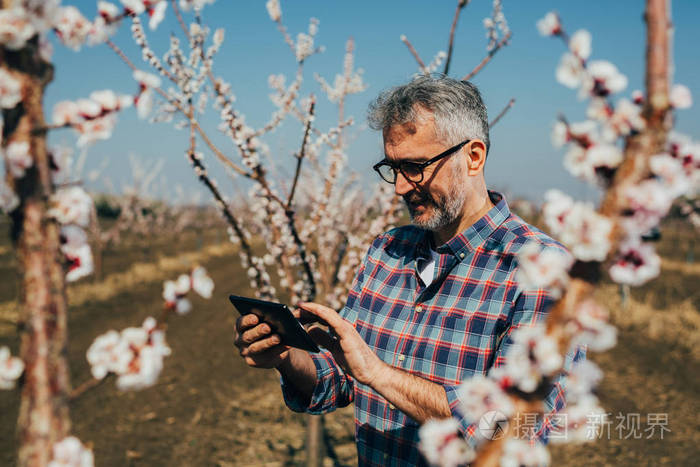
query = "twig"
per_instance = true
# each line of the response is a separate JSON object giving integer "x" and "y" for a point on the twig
{"x": 488, "y": 57}
{"x": 121, "y": 54}
{"x": 502, "y": 112}
{"x": 178, "y": 15}
{"x": 302, "y": 152}
{"x": 84, "y": 387}
{"x": 460, "y": 5}
{"x": 414, "y": 52}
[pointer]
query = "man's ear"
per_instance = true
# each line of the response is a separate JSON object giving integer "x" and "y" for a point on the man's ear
{"x": 476, "y": 156}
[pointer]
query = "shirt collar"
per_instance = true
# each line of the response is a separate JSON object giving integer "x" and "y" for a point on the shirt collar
{"x": 470, "y": 239}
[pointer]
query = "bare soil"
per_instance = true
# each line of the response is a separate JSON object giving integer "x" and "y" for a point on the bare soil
{"x": 208, "y": 408}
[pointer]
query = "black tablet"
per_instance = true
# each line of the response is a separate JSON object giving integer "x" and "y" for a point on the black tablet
{"x": 280, "y": 319}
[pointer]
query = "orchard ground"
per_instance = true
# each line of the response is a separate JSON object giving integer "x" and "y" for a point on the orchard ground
{"x": 209, "y": 408}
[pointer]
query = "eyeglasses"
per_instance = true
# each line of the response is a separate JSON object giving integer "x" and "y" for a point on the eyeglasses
{"x": 412, "y": 171}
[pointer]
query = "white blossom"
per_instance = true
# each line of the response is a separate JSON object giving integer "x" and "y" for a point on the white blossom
{"x": 590, "y": 327}
{"x": 109, "y": 11}
{"x": 66, "y": 113}
{"x": 11, "y": 368}
{"x": 108, "y": 354}
{"x": 134, "y": 6}
{"x": 147, "y": 80}
{"x": 202, "y": 283}
{"x": 580, "y": 44}
{"x": 273, "y": 9}
{"x": 479, "y": 395}
{"x": 671, "y": 172}
{"x": 550, "y": 25}
{"x": 680, "y": 97}
{"x": 10, "y": 90}
{"x": 635, "y": 264}
{"x": 570, "y": 71}
{"x": 15, "y": 28}
{"x": 95, "y": 129}
{"x": 576, "y": 224}
{"x": 442, "y": 445}
{"x": 18, "y": 159}
{"x": 540, "y": 268}
{"x": 194, "y": 4}
{"x": 649, "y": 201}
{"x": 579, "y": 422}
{"x": 304, "y": 46}
{"x": 8, "y": 198}
{"x": 72, "y": 27}
{"x": 521, "y": 453}
{"x": 71, "y": 205}
{"x": 583, "y": 377}
{"x": 144, "y": 103}
{"x": 603, "y": 79}
{"x": 157, "y": 14}
{"x": 70, "y": 452}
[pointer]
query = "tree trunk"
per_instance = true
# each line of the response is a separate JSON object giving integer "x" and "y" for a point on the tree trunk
{"x": 43, "y": 415}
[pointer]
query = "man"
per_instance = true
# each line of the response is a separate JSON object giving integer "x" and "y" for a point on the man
{"x": 433, "y": 303}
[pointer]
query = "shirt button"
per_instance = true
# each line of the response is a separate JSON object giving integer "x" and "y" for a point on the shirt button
{"x": 401, "y": 358}
{"x": 392, "y": 407}
{"x": 461, "y": 255}
{"x": 419, "y": 308}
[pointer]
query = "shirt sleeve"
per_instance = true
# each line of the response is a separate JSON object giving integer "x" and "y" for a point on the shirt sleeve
{"x": 530, "y": 307}
{"x": 333, "y": 389}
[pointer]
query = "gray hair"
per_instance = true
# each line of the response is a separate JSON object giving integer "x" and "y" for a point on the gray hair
{"x": 457, "y": 108}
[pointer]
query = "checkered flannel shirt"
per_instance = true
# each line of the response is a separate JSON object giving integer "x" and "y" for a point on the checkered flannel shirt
{"x": 456, "y": 327}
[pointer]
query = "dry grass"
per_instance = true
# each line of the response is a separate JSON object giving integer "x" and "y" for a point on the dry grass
{"x": 166, "y": 267}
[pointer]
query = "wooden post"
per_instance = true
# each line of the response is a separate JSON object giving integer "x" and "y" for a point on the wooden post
{"x": 43, "y": 414}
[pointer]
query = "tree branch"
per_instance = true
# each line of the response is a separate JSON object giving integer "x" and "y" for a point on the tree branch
{"x": 502, "y": 112}
{"x": 414, "y": 52}
{"x": 460, "y": 5}
{"x": 488, "y": 57}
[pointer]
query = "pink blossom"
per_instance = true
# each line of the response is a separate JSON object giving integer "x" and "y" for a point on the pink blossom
{"x": 71, "y": 205}
{"x": 543, "y": 268}
{"x": 550, "y": 25}
{"x": 680, "y": 97}
{"x": 590, "y": 327}
{"x": 636, "y": 264}
{"x": 10, "y": 90}
{"x": 15, "y": 28}
{"x": 72, "y": 27}
{"x": 11, "y": 368}
{"x": 18, "y": 159}
{"x": 273, "y": 9}
{"x": 70, "y": 452}
{"x": 442, "y": 445}
{"x": 522, "y": 453}
{"x": 580, "y": 44}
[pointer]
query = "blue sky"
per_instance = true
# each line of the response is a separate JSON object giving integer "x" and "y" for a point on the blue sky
{"x": 522, "y": 161}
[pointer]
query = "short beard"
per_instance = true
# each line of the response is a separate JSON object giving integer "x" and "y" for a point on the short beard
{"x": 446, "y": 208}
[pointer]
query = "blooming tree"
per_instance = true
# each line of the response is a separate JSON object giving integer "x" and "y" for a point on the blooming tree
{"x": 626, "y": 147}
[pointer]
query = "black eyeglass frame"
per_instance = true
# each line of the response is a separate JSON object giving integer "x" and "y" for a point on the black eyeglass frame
{"x": 419, "y": 166}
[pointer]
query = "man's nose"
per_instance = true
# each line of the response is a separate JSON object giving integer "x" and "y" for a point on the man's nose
{"x": 402, "y": 185}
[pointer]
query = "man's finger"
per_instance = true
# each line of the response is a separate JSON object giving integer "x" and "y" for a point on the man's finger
{"x": 246, "y": 322}
{"x": 263, "y": 345}
{"x": 256, "y": 333}
{"x": 328, "y": 315}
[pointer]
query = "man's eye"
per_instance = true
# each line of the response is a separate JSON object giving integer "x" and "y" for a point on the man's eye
{"x": 410, "y": 168}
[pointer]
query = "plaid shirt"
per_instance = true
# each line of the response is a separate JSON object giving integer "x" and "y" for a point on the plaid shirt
{"x": 446, "y": 332}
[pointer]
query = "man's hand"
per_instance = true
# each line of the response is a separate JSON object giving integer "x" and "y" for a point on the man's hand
{"x": 257, "y": 345}
{"x": 349, "y": 350}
